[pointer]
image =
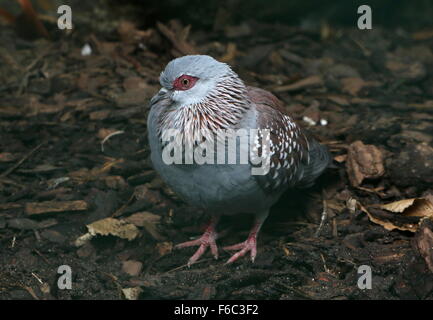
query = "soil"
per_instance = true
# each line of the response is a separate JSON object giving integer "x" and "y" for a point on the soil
{"x": 74, "y": 151}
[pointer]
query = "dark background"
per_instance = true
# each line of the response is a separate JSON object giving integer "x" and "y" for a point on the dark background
{"x": 373, "y": 89}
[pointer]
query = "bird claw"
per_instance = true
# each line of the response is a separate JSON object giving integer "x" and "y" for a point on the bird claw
{"x": 248, "y": 245}
{"x": 205, "y": 241}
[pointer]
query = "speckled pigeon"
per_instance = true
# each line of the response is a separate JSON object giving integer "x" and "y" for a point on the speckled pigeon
{"x": 200, "y": 96}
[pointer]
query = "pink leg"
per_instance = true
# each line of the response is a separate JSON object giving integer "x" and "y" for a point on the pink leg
{"x": 206, "y": 240}
{"x": 251, "y": 243}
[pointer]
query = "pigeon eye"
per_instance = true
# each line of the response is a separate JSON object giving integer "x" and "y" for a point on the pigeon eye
{"x": 184, "y": 82}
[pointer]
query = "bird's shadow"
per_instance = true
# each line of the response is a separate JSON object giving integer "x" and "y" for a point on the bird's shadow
{"x": 296, "y": 208}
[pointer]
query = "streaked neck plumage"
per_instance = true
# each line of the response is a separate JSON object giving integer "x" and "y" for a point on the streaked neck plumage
{"x": 222, "y": 108}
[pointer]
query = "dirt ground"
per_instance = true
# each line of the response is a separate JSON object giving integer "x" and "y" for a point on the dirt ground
{"x": 73, "y": 151}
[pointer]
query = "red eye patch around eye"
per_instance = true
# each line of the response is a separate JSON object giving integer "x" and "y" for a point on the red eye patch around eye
{"x": 184, "y": 82}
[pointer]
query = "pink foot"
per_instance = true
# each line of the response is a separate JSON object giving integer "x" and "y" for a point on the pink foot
{"x": 205, "y": 241}
{"x": 248, "y": 245}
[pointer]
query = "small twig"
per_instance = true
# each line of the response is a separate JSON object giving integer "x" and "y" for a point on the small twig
{"x": 186, "y": 265}
{"x": 109, "y": 136}
{"x": 324, "y": 215}
{"x": 365, "y": 51}
{"x": 12, "y": 183}
{"x": 324, "y": 264}
{"x": 119, "y": 211}
{"x": 28, "y": 72}
{"x": 37, "y": 235}
{"x": 115, "y": 281}
{"x": 42, "y": 256}
{"x": 9, "y": 59}
{"x": 14, "y": 239}
{"x": 11, "y": 169}
{"x": 290, "y": 288}
{"x": 334, "y": 228}
{"x": 37, "y": 278}
{"x": 31, "y": 292}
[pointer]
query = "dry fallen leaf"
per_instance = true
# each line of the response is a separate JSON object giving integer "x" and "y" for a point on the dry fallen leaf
{"x": 132, "y": 293}
{"x": 148, "y": 221}
{"x": 114, "y": 227}
{"x": 377, "y": 190}
{"x": 352, "y": 85}
{"x": 115, "y": 182}
{"x": 404, "y": 215}
{"x": 338, "y": 99}
{"x": 177, "y": 38}
{"x": 340, "y": 158}
{"x": 132, "y": 267}
{"x": 33, "y": 208}
{"x": 129, "y": 33}
{"x": 417, "y": 207}
{"x": 413, "y": 70}
{"x": 83, "y": 175}
{"x": 231, "y": 53}
{"x": 164, "y": 248}
{"x": 104, "y": 132}
{"x": 141, "y": 218}
{"x": 363, "y": 162}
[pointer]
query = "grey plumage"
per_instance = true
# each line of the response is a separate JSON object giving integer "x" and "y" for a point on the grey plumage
{"x": 205, "y": 67}
{"x": 220, "y": 100}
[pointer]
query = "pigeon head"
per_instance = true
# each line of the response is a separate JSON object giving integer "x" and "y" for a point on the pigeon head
{"x": 205, "y": 94}
{"x": 191, "y": 79}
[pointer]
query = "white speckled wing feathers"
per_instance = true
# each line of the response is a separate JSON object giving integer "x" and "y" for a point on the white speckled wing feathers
{"x": 289, "y": 146}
